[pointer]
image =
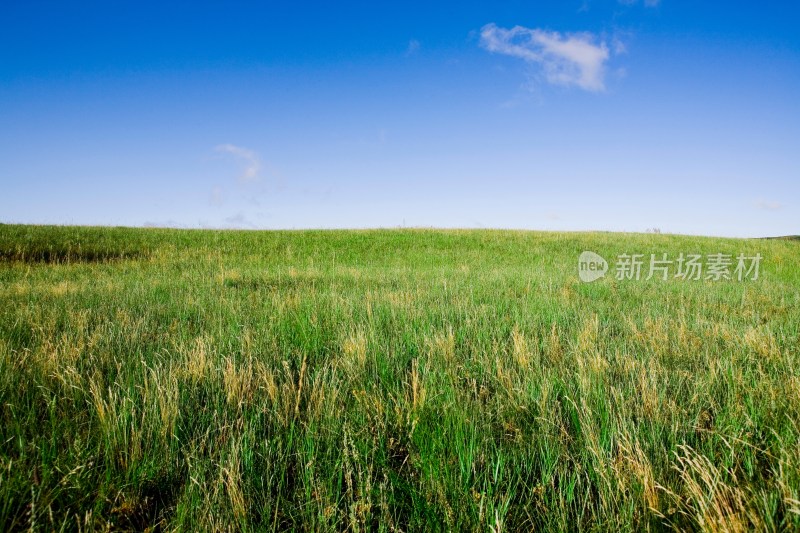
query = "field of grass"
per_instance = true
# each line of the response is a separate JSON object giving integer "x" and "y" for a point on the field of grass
{"x": 391, "y": 380}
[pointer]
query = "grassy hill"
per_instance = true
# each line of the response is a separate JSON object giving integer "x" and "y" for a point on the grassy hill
{"x": 392, "y": 380}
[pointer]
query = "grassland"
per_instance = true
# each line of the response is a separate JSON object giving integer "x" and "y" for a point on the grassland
{"x": 393, "y": 380}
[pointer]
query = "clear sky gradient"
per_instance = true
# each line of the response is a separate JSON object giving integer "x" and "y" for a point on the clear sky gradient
{"x": 568, "y": 115}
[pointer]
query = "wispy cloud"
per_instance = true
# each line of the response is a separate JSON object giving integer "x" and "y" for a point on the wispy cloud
{"x": 571, "y": 59}
{"x": 413, "y": 47}
{"x": 769, "y": 205}
{"x": 647, "y": 3}
{"x": 251, "y": 163}
{"x": 170, "y": 223}
{"x": 217, "y": 197}
{"x": 239, "y": 220}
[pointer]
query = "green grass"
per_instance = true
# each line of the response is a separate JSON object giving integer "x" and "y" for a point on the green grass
{"x": 391, "y": 380}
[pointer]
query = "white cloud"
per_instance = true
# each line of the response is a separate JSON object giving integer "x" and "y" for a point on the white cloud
{"x": 247, "y": 158}
{"x": 769, "y": 205}
{"x": 239, "y": 220}
{"x": 572, "y": 59}
{"x": 413, "y": 47}
{"x": 619, "y": 46}
{"x": 647, "y": 3}
{"x": 170, "y": 223}
{"x": 217, "y": 197}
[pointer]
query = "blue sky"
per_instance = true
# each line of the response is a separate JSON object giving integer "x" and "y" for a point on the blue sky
{"x": 569, "y": 115}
